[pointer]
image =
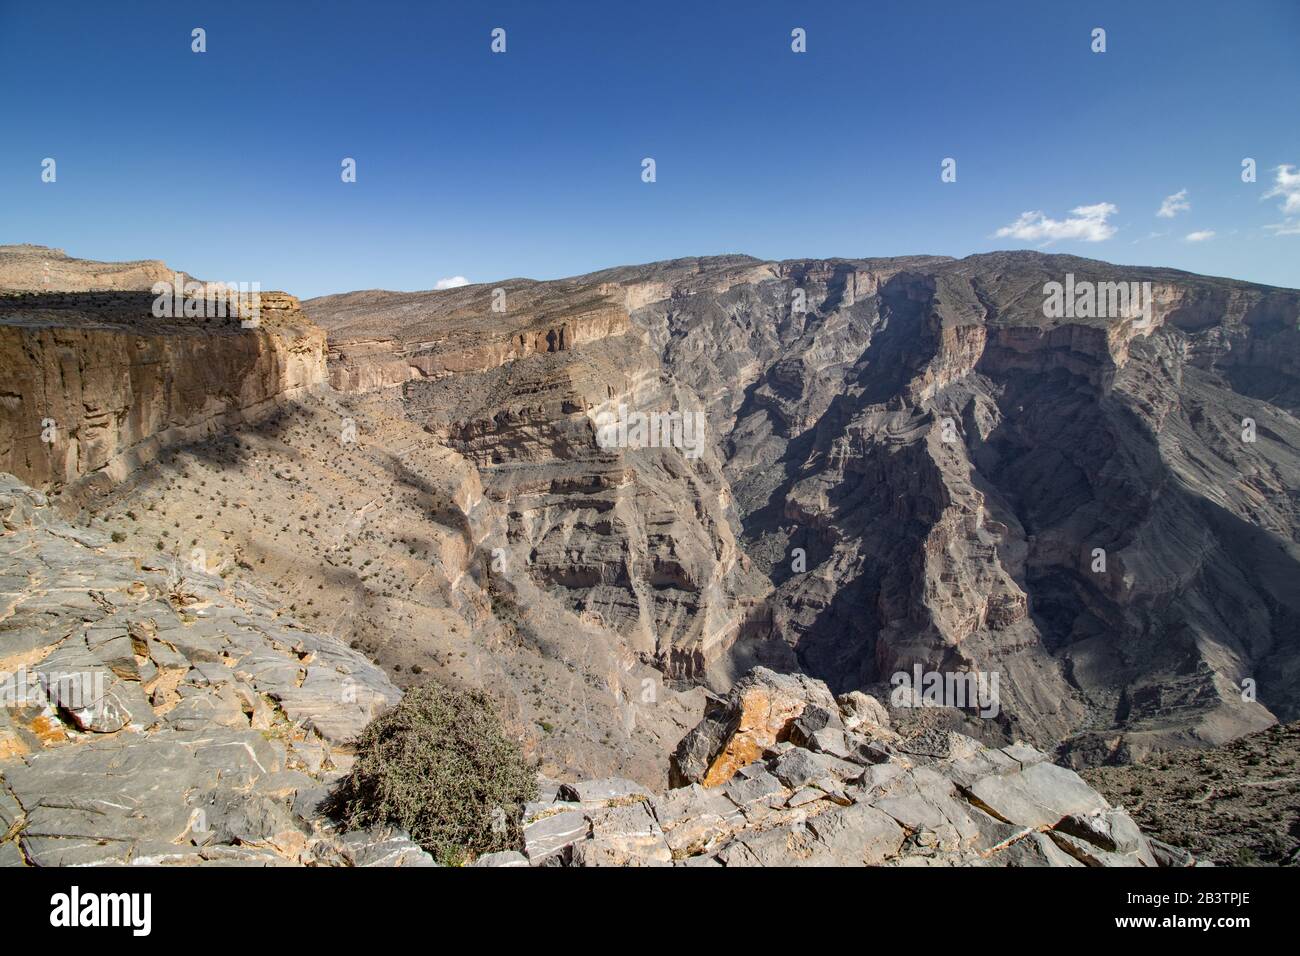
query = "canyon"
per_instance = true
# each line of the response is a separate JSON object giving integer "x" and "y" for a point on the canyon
{"x": 1071, "y": 440}
{"x": 906, "y": 464}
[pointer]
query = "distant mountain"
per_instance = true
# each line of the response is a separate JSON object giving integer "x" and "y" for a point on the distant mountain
{"x": 42, "y": 269}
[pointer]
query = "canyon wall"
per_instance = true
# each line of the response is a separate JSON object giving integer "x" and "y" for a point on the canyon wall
{"x": 359, "y": 365}
{"x": 95, "y": 386}
{"x": 933, "y": 472}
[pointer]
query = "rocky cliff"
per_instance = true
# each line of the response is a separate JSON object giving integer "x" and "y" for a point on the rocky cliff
{"x": 639, "y": 542}
{"x": 911, "y": 462}
{"x": 96, "y": 386}
{"x": 597, "y": 497}
{"x": 379, "y": 339}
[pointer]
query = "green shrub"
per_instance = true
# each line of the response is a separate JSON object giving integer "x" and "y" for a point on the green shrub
{"x": 439, "y": 766}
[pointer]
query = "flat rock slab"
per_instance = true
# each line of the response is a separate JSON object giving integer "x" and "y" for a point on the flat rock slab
{"x": 603, "y": 790}
{"x": 504, "y": 858}
{"x": 1039, "y": 796}
{"x": 374, "y": 848}
{"x": 10, "y": 855}
{"x": 858, "y": 835}
{"x": 551, "y": 835}
{"x": 629, "y": 834}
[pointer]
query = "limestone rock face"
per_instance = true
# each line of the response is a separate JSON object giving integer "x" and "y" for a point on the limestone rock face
{"x": 892, "y": 465}
{"x": 635, "y": 538}
{"x": 911, "y": 462}
{"x": 379, "y": 339}
{"x": 928, "y": 470}
{"x": 792, "y": 806}
{"x": 900, "y": 463}
{"x": 95, "y": 385}
{"x": 150, "y": 714}
{"x": 197, "y": 436}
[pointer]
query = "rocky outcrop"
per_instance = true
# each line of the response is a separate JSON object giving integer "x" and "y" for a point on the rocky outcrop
{"x": 363, "y": 365}
{"x": 96, "y": 386}
{"x": 151, "y": 714}
{"x": 901, "y": 466}
{"x": 637, "y": 539}
{"x": 757, "y": 714}
{"x": 831, "y": 784}
{"x": 903, "y": 463}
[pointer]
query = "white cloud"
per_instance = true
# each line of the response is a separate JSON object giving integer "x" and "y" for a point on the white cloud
{"x": 1286, "y": 183}
{"x": 1086, "y": 223}
{"x": 1174, "y": 204}
{"x": 454, "y": 282}
{"x": 1200, "y": 235}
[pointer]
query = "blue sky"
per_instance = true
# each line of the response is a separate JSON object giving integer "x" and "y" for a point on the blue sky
{"x": 469, "y": 163}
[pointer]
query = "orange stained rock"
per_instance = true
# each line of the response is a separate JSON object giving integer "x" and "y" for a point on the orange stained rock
{"x": 765, "y": 718}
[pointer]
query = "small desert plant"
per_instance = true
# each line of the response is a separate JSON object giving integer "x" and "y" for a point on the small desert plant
{"x": 439, "y": 766}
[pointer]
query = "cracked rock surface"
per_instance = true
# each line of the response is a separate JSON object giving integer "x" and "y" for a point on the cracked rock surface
{"x": 153, "y": 715}
{"x": 798, "y": 805}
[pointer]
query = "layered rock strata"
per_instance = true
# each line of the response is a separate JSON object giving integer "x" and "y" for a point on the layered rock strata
{"x": 915, "y": 462}
{"x": 95, "y": 386}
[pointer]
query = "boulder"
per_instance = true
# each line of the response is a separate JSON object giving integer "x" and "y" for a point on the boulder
{"x": 551, "y": 835}
{"x": 1170, "y": 856}
{"x": 1111, "y": 830}
{"x": 755, "y": 715}
{"x": 858, "y": 835}
{"x": 862, "y": 713}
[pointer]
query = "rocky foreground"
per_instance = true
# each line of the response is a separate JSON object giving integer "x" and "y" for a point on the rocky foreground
{"x": 781, "y": 773}
{"x": 153, "y": 715}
